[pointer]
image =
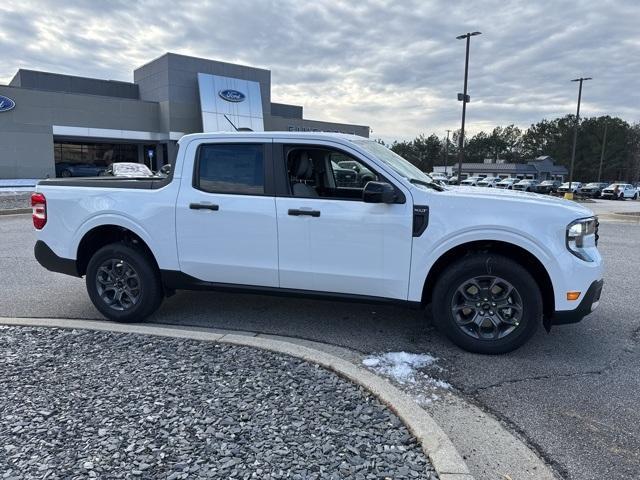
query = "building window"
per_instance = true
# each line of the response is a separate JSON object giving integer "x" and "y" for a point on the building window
{"x": 99, "y": 154}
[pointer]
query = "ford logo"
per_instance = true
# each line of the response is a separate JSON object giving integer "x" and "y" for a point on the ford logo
{"x": 231, "y": 95}
{"x": 7, "y": 104}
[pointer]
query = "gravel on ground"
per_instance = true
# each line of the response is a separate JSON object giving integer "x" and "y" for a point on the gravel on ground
{"x": 10, "y": 200}
{"x": 84, "y": 404}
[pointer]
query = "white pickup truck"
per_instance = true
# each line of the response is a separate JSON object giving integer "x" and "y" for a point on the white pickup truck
{"x": 273, "y": 213}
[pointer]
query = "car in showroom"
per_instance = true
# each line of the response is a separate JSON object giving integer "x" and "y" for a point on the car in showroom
{"x": 69, "y": 169}
{"x": 260, "y": 213}
{"x": 507, "y": 183}
{"x": 620, "y": 191}
{"x": 593, "y": 189}
{"x": 471, "y": 181}
{"x": 566, "y": 187}
{"x": 526, "y": 185}
{"x": 488, "y": 182}
{"x": 548, "y": 186}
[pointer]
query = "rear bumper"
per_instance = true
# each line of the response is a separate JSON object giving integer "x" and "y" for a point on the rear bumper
{"x": 49, "y": 260}
{"x": 588, "y": 304}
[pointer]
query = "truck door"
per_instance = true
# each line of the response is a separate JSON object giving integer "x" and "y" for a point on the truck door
{"x": 330, "y": 240}
{"x": 225, "y": 214}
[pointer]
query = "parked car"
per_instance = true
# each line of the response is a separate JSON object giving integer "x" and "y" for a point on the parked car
{"x": 564, "y": 188}
{"x": 548, "y": 186}
{"x": 363, "y": 174}
{"x": 67, "y": 169}
{"x": 593, "y": 189}
{"x": 526, "y": 185}
{"x": 620, "y": 191}
{"x": 489, "y": 182}
{"x": 453, "y": 180}
{"x": 128, "y": 169}
{"x": 471, "y": 181}
{"x": 506, "y": 183}
{"x": 438, "y": 176}
{"x": 236, "y": 220}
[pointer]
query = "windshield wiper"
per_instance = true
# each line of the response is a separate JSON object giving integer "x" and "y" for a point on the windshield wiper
{"x": 433, "y": 185}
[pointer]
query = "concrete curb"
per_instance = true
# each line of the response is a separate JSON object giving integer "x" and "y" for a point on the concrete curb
{"x": 15, "y": 211}
{"x": 435, "y": 443}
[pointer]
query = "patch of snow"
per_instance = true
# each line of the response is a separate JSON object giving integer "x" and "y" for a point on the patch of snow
{"x": 371, "y": 362}
{"x": 401, "y": 366}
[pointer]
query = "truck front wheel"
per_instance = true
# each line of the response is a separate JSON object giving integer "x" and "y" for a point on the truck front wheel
{"x": 487, "y": 303}
{"x": 123, "y": 283}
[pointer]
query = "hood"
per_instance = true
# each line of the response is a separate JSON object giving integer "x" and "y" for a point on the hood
{"x": 523, "y": 198}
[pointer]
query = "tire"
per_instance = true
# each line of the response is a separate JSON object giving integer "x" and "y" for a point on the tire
{"x": 474, "y": 337}
{"x": 66, "y": 173}
{"x": 120, "y": 259}
{"x": 635, "y": 196}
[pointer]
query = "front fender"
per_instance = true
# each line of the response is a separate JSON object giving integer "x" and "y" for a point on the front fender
{"x": 426, "y": 254}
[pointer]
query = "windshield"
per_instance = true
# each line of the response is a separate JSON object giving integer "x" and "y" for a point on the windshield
{"x": 393, "y": 160}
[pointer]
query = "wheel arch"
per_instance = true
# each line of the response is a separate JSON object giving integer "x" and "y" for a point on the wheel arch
{"x": 506, "y": 249}
{"x": 102, "y": 235}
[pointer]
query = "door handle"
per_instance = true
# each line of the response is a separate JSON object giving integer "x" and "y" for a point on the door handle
{"x": 204, "y": 206}
{"x": 297, "y": 212}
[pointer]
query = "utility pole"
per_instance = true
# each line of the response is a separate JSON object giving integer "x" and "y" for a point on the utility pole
{"x": 446, "y": 154}
{"x": 464, "y": 98}
{"x": 569, "y": 195}
{"x": 604, "y": 144}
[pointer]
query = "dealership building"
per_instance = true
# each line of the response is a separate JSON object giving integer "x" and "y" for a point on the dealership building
{"x": 61, "y": 123}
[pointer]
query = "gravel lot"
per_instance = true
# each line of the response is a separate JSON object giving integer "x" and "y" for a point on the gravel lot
{"x": 10, "y": 200}
{"x": 78, "y": 404}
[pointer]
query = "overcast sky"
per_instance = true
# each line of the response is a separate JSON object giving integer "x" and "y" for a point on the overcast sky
{"x": 395, "y": 65}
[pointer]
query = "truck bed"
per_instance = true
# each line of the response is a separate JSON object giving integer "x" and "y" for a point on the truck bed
{"x": 142, "y": 183}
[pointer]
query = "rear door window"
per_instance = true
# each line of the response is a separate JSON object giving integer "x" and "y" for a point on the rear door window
{"x": 230, "y": 168}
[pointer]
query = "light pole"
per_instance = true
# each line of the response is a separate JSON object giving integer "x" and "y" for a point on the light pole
{"x": 464, "y": 98}
{"x": 446, "y": 154}
{"x": 604, "y": 144}
{"x": 569, "y": 195}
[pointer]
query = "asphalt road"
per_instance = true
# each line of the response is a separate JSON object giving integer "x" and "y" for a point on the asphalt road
{"x": 572, "y": 394}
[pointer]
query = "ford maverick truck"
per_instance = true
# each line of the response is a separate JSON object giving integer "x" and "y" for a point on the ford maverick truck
{"x": 274, "y": 213}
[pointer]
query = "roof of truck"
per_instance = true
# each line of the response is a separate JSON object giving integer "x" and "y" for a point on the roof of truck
{"x": 275, "y": 134}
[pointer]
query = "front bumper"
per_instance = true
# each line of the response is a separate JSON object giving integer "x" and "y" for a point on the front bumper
{"x": 588, "y": 304}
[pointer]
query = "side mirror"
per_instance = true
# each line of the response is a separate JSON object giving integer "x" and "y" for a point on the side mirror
{"x": 378, "y": 192}
{"x": 165, "y": 169}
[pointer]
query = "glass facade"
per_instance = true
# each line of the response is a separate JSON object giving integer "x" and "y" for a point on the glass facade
{"x": 99, "y": 154}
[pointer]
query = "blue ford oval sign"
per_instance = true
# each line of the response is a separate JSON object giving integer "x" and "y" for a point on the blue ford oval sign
{"x": 6, "y": 103}
{"x": 232, "y": 95}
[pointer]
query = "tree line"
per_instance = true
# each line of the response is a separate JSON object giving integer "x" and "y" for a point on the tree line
{"x": 621, "y": 159}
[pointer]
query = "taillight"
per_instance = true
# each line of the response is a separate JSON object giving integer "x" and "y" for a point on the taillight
{"x": 39, "y": 210}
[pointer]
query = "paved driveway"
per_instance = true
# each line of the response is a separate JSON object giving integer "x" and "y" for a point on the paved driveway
{"x": 573, "y": 394}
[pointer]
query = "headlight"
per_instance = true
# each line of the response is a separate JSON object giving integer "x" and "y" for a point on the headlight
{"x": 581, "y": 234}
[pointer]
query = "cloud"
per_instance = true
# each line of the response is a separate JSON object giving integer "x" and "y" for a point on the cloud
{"x": 395, "y": 66}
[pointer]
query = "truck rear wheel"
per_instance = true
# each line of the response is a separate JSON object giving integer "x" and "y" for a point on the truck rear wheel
{"x": 487, "y": 303}
{"x": 123, "y": 283}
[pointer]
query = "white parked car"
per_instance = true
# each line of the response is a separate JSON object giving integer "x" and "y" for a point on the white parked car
{"x": 506, "y": 183}
{"x": 127, "y": 169}
{"x": 620, "y": 191}
{"x": 471, "y": 181}
{"x": 262, "y": 212}
{"x": 489, "y": 182}
{"x": 438, "y": 176}
{"x": 574, "y": 188}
